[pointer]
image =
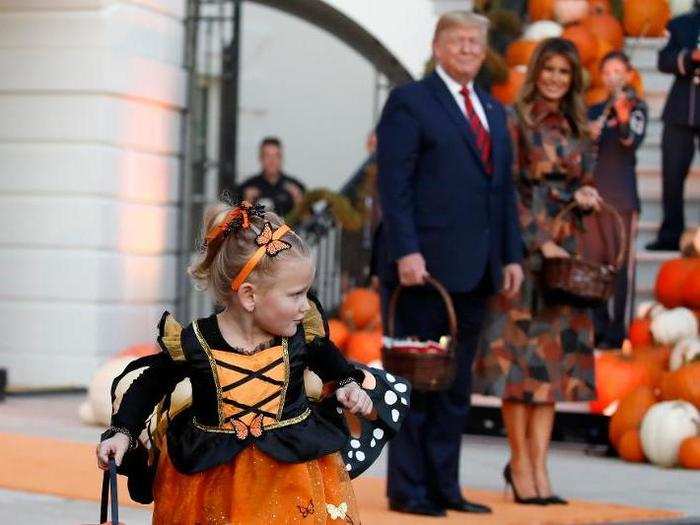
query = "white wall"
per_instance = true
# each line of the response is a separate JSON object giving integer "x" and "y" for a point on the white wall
{"x": 90, "y": 100}
{"x": 313, "y": 91}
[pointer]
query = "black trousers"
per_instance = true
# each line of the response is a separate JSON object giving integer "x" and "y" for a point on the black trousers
{"x": 678, "y": 145}
{"x": 424, "y": 456}
{"x": 612, "y": 319}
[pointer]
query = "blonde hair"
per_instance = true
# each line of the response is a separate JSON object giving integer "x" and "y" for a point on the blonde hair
{"x": 237, "y": 248}
{"x": 572, "y": 105}
{"x": 461, "y": 19}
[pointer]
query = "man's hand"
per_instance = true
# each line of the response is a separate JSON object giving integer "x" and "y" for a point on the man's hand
{"x": 295, "y": 192}
{"x": 512, "y": 279}
{"x": 412, "y": 271}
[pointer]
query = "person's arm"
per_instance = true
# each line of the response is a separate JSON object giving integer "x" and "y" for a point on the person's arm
{"x": 398, "y": 136}
{"x": 324, "y": 358}
{"x": 674, "y": 58}
{"x": 512, "y": 240}
{"x": 533, "y": 227}
{"x": 632, "y": 124}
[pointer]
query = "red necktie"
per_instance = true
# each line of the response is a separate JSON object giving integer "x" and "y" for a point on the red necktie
{"x": 483, "y": 139}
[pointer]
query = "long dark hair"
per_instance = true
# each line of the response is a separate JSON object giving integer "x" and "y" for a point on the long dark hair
{"x": 572, "y": 105}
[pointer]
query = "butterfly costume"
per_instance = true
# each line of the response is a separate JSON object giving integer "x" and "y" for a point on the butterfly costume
{"x": 250, "y": 446}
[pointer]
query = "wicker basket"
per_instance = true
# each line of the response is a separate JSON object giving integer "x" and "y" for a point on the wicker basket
{"x": 580, "y": 282}
{"x": 428, "y": 372}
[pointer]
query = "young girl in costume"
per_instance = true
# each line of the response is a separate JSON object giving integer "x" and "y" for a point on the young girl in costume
{"x": 251, "y": 447}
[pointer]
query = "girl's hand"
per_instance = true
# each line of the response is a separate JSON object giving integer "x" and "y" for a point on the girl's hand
{"x": 356, "y": 400}
{"x": 118, "y": 444}
{"x": 587, "y": 197}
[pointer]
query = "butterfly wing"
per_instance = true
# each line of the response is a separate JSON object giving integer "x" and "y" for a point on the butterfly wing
{"x": 240, "y": 429}
{"x": 265, "y": 235}
{"x": 256, "y": 426}
{"x": 276, "y": 246}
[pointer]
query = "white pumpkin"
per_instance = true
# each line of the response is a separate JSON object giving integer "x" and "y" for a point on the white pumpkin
{"x": 97, "y": 409}
{"x": 570, "y": 11}
{"x": 542, "y": 30}
{"x": 664, "y": 427}
{"x": 649, "y": 309}
{"x": 313, "y": 385}
{"x": 685, "y": 351}
{"x": 675, "y": 324}
{"x": 679, "y": 7}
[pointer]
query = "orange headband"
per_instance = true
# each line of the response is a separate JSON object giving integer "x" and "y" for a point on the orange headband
{"x": 269, "y": 243}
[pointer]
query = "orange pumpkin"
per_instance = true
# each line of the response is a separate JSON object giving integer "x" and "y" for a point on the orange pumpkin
{"x": 360, "y": 307}
{"x": 364, "y": 346}
{"x": 600, "y": 6}
{"x": 687, "y": 383}
{"x": 619, "y": 373}
{"x": 507, "y": 93}
{"x": 689, "y": 453}
{"x": 339, "y": 332}
{"x": 640, "y": 332}
{"x": 645, "y": 19}
{"x": 606, "y": 27}
{"x": 595, "y": 76}
{"x": 630, "y": 448}
{"x": 596, "y": 95}
{"x": 540, "y": 10}
{"x": 690, "y": 294}
{"x": 671, "y": 279}
{"x": 519, "y": 52}
{"x": 585, "y": 41}
{"x": 630, "y": 413}
{"x": 667, "y": 387}
{"x": 139, "y": 350}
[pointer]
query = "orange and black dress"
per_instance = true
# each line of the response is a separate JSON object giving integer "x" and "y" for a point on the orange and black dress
{"x": 251, "y": 448}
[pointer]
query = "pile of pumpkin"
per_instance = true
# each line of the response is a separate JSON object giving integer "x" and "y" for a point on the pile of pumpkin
{"x": 358, "y": 330}
{"x": 594, "y": 30}
{"x": 652, "y": 387}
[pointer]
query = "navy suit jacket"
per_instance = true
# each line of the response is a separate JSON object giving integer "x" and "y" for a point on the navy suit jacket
{"x": 436, "y": 196}
{"x": 683, "y": 102}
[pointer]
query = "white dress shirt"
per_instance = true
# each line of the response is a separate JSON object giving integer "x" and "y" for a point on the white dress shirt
{"x": 455, "y": 87}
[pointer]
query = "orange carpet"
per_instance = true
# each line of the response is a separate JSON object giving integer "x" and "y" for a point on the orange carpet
{"x": 67, "y": 469}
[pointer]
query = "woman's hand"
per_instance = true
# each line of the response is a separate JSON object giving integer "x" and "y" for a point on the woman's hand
{"x": 356, "y": 400}
{"x": 117, "y": 445}
{"x": 587, "y": 197}
{"x": 551, "y": 250}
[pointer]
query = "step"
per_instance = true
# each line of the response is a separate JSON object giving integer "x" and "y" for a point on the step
{"x": 648, "y": 264}
{"x": 643, "y": 52}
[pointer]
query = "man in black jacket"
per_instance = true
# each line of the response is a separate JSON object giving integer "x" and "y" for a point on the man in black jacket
{"x": 681, "y": 117}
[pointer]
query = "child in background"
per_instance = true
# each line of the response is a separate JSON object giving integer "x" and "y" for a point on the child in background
{"x": 618, "y": 125}
{"x": 251, "y": 448}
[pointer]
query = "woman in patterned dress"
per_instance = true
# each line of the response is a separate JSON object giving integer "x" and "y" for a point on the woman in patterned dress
{"x": 533, "y": 352}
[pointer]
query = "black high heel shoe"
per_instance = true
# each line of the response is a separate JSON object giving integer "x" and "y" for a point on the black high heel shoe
{"x": 508, "y": 478}
{"x": 554, "y": 500}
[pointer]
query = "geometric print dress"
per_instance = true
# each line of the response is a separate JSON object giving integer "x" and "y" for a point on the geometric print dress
{"x": 533, "y": 350}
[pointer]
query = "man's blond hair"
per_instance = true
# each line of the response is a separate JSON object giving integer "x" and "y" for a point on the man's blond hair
{"x": 461, "y": 19}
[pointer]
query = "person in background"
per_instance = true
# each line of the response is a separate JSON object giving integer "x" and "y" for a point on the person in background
{"x": 272, "y": 188}
{"x": 618, "y": 125}
{"x": 448, "y": 212}
{"x": 534, "y": 351}
{"x": 681, "y": 116}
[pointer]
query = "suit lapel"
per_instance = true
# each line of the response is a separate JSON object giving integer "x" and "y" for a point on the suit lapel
{"x": 443, "y": 95}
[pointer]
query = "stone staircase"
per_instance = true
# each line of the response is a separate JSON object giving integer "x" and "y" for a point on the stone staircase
{"x": 643, "y": 53}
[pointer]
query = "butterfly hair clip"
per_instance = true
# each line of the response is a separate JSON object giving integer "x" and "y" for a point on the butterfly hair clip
{"x": 271, "y": 241}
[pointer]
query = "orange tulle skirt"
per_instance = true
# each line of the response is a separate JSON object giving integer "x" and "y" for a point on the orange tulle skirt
{"x": 255, "y": 489}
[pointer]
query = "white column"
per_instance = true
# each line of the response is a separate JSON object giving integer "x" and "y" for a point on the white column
{"x": 91, "y": 94}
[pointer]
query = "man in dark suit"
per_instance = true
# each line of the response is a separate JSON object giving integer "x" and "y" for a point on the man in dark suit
{"x": 449, "y": 211}
{"x": 681, "y": 117}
